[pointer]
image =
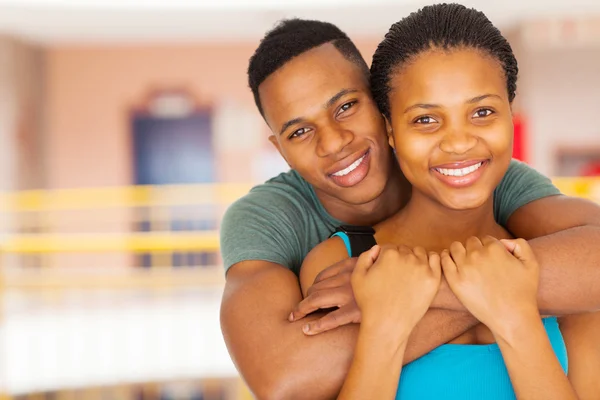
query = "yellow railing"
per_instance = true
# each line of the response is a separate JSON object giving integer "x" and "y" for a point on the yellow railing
{"x": 135, "y": 242}
{"x": 152, "y": 198}
{"x": 44, "y": 214}
{"x": 120, "y": 197}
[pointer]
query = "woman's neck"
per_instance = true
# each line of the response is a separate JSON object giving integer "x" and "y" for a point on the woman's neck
{"x": 425, "y": 222}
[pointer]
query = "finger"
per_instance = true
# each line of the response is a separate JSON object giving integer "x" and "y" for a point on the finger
{"x": 335, "y": 281}
{"x": 494, "y": 246}
{"x": 421, "y": 254}
{"x": 522, "y": 251}
{"x": 473, "y": 243}
{"x": 321, "y": 299}
{"x": 342, "y": 316}
{"x": 509, "y": 244}
{"x": 366, "y": 260}
{"x": 448, "y": 266}
{"x": 492, "y": 242}
{"x": 458, "y": 252}
{"x": 435, "y": 263}
{"x": 434, "y": 260}
{"x": 336, "y": 269}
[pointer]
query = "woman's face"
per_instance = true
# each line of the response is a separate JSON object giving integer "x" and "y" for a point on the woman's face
{"x": 451, "y": 125}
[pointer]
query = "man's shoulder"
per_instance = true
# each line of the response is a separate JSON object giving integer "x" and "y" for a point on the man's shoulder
{"x": 520, "y": 185}
{"x": 285, "y": 183}
{"x": 286, "y": 198}
{"x": 277, "y": 221}
{"x": 286, "y": 190}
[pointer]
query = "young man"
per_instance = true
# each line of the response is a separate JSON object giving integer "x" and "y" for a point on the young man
{"x": 312, "y": 87}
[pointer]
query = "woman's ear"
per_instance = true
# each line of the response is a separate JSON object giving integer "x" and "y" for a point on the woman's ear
{"x": 390, "y": 133}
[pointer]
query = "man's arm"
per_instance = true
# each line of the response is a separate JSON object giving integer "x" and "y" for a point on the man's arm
{"x": 274, "y": 356}
{"x": 564, "y": 233}
{"x": 581, "y": 334}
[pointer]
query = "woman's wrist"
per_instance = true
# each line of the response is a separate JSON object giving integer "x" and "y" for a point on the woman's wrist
{"x": 518, "y": 326}
{"x": 390, "y": 332}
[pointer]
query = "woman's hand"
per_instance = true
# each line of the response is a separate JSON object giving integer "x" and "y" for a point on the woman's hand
{"x": 497, "y": 287}
{"x": 394, "y": 286}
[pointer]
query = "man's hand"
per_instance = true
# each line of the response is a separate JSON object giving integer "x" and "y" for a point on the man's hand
{"x": 331, "y": 289}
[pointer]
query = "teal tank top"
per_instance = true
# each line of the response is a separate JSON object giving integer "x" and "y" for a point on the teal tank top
{"x": 465, "y": 371}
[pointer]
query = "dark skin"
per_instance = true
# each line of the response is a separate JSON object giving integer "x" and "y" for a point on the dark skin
{"x": 471, "y": 121}
{"x": 276, "y": 359}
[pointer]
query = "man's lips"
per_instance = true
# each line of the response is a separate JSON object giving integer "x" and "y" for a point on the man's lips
{"x": 354, "y": 173}
{"x": 342, "y": 166}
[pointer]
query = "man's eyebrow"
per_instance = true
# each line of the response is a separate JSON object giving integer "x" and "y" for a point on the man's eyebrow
{"x": 290, "y": 123}
{"x": 338, "y": 96}
{"x": 328, "y": 104}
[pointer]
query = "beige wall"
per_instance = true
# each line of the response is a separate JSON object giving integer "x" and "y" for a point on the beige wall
{"x": 561, "y": 95}
{"x": 91, "y": 90}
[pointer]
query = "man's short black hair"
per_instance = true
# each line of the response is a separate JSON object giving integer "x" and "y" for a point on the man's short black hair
{"x": 289, "y": 39}
{"x": 443, "y": 26}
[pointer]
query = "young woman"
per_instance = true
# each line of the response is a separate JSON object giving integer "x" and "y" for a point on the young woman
{"x": 445, "y": 78}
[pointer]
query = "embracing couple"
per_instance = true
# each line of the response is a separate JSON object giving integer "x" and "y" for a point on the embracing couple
{"x": 406, "y": 255}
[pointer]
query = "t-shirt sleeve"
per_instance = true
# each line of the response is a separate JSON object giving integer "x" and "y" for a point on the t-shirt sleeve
{"x": 260, "y": 226}
{"x": 521, "y": 185}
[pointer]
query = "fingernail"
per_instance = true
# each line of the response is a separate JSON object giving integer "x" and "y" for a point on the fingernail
{"x": 306, "y": 328}
{"x": 291, "y": 317}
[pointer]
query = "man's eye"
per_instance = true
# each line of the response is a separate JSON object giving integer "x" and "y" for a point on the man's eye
{"x": 298, "y": 133}
{"x": 425, "y": 120}
{"x": 346, "y": 106}
{"x": 482, "y": 113}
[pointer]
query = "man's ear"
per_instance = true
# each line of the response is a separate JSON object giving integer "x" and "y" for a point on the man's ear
{"x": 273, "y": 140}
{"x": 390, "y": 133}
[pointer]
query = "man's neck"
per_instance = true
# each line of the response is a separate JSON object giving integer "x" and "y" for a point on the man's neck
{"x": 394, "y": 196}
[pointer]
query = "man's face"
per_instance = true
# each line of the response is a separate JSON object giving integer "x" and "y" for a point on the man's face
{"x": 327, "y": 127}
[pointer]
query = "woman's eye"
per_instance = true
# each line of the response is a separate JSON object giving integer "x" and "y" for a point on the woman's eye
{"x": 482, "y": 113}
{"x": 346, "y": 106}
{"x": 298, "y": 133}
{"x": 425, "y": 120}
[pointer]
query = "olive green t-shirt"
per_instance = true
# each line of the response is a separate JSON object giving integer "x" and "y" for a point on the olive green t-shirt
{"x": 282, "y": 220}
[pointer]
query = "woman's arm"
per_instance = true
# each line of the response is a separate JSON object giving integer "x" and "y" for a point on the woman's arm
{"x": 435, "y": 329}
{"x": 582, "y": 338}
{"x": 389, "y": 315}
{"x": 377, "y": 364}
{"x": 500, "y": 289}
{"x": 534, "y": 370}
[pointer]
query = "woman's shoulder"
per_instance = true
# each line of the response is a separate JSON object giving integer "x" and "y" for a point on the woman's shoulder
{"x": 322, "y": 256}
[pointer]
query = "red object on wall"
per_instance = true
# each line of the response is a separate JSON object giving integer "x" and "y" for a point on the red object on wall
{"x": 591, "y": 169}
{"x": 519, "y": 141}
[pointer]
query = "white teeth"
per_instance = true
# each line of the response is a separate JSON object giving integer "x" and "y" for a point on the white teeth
{"x": 350, "y": 168}
{"x": 459, "y": 172}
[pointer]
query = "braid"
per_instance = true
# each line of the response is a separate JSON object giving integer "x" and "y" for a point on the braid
{"x": 443, "y": 26}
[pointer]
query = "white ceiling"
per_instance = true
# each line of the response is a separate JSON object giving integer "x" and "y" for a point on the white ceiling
{"x": 114, "y": 21}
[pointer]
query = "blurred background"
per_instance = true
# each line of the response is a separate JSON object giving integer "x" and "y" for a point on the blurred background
{"x": 127, "y": 128}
